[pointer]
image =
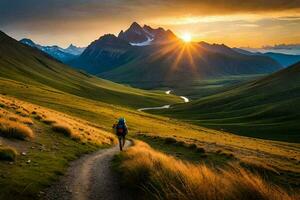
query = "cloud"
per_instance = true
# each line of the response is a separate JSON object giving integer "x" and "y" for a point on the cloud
{"x": 15, "y": 11}
{"x": 82, "y": 21}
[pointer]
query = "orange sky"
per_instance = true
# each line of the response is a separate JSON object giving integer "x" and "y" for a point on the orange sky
{"x": 253, "y": 23}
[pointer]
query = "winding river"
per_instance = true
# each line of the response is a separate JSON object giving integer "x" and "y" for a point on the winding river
{"x": 185, "y": 99}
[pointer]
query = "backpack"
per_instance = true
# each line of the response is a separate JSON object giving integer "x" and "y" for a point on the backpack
{"x": 120, "y": 128}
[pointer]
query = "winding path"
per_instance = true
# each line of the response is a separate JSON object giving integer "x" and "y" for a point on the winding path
{"x": 185, "y": 99}
{"x": 89, "y": 178}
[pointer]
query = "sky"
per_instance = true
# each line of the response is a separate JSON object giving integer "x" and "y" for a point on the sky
{"x": 237, "y": 23}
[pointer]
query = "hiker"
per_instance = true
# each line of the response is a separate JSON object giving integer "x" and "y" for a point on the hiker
{"x": 121, "y": 130}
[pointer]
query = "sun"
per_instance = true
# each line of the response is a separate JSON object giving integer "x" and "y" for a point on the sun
{"x": 187, "y": 37}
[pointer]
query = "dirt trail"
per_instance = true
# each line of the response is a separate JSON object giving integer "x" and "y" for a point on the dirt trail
{"x": 89, "y": 178}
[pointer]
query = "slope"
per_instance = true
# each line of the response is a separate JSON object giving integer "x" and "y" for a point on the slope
{"x": 21, "y": 63}
{"x": 266, "y": 108}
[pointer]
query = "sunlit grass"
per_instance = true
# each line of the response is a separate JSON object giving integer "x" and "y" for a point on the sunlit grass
{"x": 164, "y": 177}
{"x": 12, "y": 129}
{"x": 80, "y": 129}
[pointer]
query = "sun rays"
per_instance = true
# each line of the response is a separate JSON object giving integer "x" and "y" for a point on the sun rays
{"x": 181, "y": 57}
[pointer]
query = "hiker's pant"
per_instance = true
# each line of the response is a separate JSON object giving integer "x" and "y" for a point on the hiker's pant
{"x": 121, "y": 141}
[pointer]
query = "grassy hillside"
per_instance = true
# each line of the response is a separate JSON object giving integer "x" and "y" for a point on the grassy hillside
{"x": 197, "y": 89}
{"x": 36, "y": 145}
{"x": 154, "y": 175}
{"x": 22, "y": 63}
{"x": 266, "y": 108}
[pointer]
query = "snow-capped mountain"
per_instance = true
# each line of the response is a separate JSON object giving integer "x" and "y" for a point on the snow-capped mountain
{"x": 136, "y": 35}
{"x": 144, "y": 36}
{"x": 55, "y": 51}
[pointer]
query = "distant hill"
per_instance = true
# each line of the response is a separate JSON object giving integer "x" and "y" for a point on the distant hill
{"x": 284, "y": 59}
{"x": 165, "y": 60}
{"x": 103, "y": 54}
{"x": 266, "y": 108}
{"x": 56, "y": 52}
{"x": 24, "y": 64}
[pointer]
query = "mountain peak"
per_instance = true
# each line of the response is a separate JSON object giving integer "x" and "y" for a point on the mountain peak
{"x": 73, "y": 49}
{"x": 107, "y": 37}
{"x": 135, "y": 34}
{"x": 110, "y": 40}
{"x": 71, "y": 46}
{"x": 135, "y": 25}
{"x": 27, "y": 41}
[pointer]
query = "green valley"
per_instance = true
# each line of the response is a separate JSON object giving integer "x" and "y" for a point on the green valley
{"x": 265, "y": 108}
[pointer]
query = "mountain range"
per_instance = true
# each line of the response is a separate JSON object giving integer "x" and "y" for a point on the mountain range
{"x": 110, "y": 51}
{"x": 147, "y": 57}
{"x": 284, "y": 59}
{"x": 55, "y": 51}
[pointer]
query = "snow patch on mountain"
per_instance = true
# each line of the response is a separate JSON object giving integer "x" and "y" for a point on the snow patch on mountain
{"x": 145, "y": 43}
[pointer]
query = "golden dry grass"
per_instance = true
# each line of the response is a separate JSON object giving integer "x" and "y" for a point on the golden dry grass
{"x": 15, "y": 117}
{"x": 164, "y": 177}
{"x": 13, "y": 129}
{"x": 63, "y": 128}
{"x": 48, "y": 121}
{"x": 73, "y": 127}
{"x": 8, "y": 153}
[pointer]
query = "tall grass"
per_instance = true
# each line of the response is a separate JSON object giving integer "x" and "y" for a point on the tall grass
{"x": 164, "y": 177}
{"x": 13, "y": 129}
{"x": 63, "y": 128}
{"x": 8, "y": 153}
